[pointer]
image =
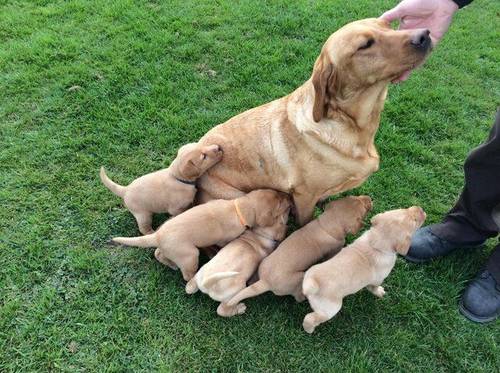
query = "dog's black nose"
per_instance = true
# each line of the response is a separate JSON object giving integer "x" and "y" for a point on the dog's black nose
{"x": 421, "y": 40}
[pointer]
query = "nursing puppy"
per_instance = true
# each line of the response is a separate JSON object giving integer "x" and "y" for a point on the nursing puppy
{"x": 214, "y": 223}
{"x": 282, "y": 271}
{"x": 364, "y": 263}
{"x": 228, "y": 272}
{"x": 169, "y": 190}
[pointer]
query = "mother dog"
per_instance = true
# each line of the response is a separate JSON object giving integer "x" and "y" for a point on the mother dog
{"x": 318, "y": 140}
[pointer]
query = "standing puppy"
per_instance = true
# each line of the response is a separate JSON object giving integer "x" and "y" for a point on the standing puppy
{"x": 364, "y": 263}
{"x": 282, "y": 271}
{"x": 170, "y": 190}
{"x": 214, "y": 223}
{"x": 228, "y": 272}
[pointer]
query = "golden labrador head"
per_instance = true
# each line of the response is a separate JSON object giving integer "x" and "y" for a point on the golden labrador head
{"x": 396, "y": 227}
{"x": 194, "y": 160}
{"x": 268, "y": 206}
{"x": 361, "y": 54}
{"x": 352, "y": 210}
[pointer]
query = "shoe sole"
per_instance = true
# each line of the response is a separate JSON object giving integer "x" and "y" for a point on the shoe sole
{"x": 414, "y": 260}
{"x": 464, "y": 311}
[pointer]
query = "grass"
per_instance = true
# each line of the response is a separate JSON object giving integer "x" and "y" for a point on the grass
{"x": 125, "y": 83}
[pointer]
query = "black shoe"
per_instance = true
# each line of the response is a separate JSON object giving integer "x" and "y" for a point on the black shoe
{"x": 425, "y": 246}
{"x": 481, "y": 300}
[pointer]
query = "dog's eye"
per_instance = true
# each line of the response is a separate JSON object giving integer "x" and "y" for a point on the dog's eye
{"x": 367, "y": 45}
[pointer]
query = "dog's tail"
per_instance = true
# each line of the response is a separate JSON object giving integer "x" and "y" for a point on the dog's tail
{"x": 253, "y": 290}
{"x": 310, "y": 286}
{"x": 117, "y": 189}
{"x": 149, "y": 240}
{"x": 210, "y": 280}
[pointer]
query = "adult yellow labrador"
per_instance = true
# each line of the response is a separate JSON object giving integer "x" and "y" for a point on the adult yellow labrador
{"x": 318, "y": 140}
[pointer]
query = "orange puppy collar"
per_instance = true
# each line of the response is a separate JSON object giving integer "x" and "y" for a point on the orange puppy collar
{"x": 240, "y": 216}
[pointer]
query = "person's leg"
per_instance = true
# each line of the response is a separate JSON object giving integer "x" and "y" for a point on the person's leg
{"x": 476, "y": 215}
{"x": 481, "y": 299}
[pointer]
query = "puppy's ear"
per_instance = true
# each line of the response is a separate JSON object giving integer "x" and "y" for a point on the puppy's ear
{"x": 403, "y": 246}
{"x": 322, "y": 79}
{"x": 187, "y": 168}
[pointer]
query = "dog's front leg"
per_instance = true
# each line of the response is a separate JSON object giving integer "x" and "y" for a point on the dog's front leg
{"x": 304, "y": 207}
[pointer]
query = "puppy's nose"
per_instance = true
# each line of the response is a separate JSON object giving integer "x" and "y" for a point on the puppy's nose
{"x": 421, "y": 40}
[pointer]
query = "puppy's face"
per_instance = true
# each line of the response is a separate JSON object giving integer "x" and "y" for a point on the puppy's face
{"x": 398, "y": 226}
{"x": 361, "y": 54}
{"x": 195, "y": 160}
{"x": 270, "y": 206}
{"x": 277, "y": 231}
{"x": 352, "y": 211}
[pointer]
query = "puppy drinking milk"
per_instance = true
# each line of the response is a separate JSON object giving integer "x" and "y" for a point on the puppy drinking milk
{"x": 169, "y": 190}
{"x": 228, "y": 272}
{"x": 282, "y": 271}
{"x": 214, "y": 223}
{"x": 364, "y": 263}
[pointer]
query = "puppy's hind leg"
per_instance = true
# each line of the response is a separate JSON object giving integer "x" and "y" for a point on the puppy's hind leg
{"x": 191, "y": 286}
{"x": 376, "y": 290}
{"x": 324, "y": 310}
{"x": 188, "y": 264}
{"x": 144, "y": 221}
{"x": 227, "y": 311}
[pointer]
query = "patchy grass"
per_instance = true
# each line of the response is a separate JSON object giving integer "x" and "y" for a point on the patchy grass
{"x": 124, "y": 84}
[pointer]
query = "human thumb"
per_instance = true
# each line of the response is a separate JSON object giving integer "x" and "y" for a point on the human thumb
{"x": 393, "y": 14}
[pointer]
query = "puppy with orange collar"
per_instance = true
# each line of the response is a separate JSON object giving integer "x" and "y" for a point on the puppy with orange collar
{"x": 214, "y": 223}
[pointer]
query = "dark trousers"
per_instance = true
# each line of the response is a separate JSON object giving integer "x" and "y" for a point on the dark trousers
{"x": 476, "y": 215}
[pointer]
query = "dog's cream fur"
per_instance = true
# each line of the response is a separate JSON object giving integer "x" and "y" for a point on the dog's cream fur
{"x": 213, "y": 223}
{"x": 318, "y": 140}
{"x": 282, "y": 271}
{"x": 364, "y": 263}
{"x": 164, "y": 190}
{"x": 228, "y": 272}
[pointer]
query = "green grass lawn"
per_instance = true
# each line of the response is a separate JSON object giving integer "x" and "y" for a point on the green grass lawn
{"x": 125, "y": 83}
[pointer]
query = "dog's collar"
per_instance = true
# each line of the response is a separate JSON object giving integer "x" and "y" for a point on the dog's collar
{"x": 240, "y": 215}
{"x": 186, "y": 181}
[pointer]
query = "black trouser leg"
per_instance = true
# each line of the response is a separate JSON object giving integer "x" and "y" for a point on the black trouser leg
{"x": 476, "y": 215}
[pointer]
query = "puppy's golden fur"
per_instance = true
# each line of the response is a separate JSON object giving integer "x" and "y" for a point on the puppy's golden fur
{"x": 228, "y": 272}
{"x": 213, "y": 223}
{"x": 170, "y": 190}
{"x": 282, "y": 271}
{"x": 318, "y": 140}
{"x": 364, "y": 263}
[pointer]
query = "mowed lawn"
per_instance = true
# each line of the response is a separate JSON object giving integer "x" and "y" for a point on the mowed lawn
{"x": 124, "y": 84}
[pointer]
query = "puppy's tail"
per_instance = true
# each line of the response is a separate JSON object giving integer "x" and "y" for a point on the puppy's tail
{"x": 250, "y": 291}
{"x": 149, "y": 240}
{"x": 119, "y": 190}
{"x": 309, "y": 286}
{"x": 210, "y": 280}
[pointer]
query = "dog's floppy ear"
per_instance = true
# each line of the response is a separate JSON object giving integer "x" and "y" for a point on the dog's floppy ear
{"x": 322, "y": 78}
{"x": 403, "y": 246}
{"x": 187, "y": 168}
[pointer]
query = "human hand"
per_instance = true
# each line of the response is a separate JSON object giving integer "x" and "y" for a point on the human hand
{"x": 434, "y": 15}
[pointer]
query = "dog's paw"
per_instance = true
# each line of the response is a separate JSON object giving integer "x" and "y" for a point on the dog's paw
{"x": 379, "y": 291}
{"x": 191, "y": 287}
{"x": 241, "y": 308}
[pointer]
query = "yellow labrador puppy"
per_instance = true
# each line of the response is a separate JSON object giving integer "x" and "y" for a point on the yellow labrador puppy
{"x": 318, "y": 140}
{"x": 282, "y": 271}
{"x": 364, "y": 263}
{"x": 213, "y": 223}
{"x": 228, "y": 272}
{"x": 170, "y": 190}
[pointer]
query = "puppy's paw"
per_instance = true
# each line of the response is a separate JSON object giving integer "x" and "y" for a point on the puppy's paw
{"x": 191, "y": 286}
{"x": 308, "y": 323}
{"x": 379, "y": 291}
{"x": 241, "y": 308}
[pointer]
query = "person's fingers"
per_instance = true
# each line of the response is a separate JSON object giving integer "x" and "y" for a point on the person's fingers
{"x": 393, "y": 14}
